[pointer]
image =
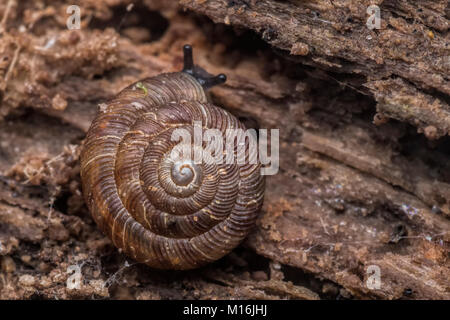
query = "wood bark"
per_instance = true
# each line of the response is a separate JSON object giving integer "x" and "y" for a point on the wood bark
{"x": 364, "y": 120}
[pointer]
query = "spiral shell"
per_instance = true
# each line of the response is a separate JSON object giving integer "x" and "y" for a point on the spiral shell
{"x": 165, "y": 213}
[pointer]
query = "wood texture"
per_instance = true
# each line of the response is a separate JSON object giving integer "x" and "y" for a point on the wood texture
{"x": 356, "y": 188}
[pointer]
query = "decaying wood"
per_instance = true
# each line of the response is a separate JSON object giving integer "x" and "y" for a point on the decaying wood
{"x": 412, "y": 44}
{"x": 349, "y": 194}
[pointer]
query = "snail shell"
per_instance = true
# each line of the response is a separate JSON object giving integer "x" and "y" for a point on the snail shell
{"x": 165, "y": 213}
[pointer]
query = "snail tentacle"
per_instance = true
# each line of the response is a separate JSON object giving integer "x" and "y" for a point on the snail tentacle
{"x": 205, "y": 79}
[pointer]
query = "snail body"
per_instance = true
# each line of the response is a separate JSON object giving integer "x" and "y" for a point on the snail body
{"x": 164, "y": 213}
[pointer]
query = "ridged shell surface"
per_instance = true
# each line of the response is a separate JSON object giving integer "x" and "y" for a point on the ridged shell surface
{"x": 165, "y": 213}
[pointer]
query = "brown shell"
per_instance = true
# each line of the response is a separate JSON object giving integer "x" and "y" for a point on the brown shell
{"x": 129, "y": 190}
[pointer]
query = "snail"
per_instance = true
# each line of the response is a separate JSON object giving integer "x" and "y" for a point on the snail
{"x": 166, "y": 213}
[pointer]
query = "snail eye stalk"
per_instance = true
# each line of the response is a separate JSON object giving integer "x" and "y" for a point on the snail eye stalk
{"x": 188, "y": 59}
{"x": 202, "y": 76}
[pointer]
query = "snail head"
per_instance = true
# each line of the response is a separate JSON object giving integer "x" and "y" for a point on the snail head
{"x": 205, "y": 79}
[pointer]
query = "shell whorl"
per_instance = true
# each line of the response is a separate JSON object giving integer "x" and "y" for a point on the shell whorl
{"x": 165, "y": 213}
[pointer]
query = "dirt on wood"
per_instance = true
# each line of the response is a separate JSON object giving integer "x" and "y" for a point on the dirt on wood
{"x": 364, "y": 119}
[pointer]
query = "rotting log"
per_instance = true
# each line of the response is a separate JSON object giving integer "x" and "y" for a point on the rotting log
{"x": 349, "y": 194}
